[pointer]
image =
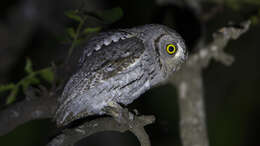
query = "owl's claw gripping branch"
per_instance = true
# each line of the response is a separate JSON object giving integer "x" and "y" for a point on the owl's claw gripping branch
{"x": 120, "y": 114}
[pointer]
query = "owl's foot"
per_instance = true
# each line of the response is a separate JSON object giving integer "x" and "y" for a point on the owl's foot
{"x": 120, "y": 114}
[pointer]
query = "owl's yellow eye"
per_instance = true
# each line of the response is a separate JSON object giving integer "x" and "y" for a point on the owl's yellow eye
{"x": 171, "y": 49}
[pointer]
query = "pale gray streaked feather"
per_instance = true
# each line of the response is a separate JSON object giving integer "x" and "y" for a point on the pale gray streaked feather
{"x": 103, "y": 63}
{"x": 104, "y": 39}
{"x": 100, "y": 78}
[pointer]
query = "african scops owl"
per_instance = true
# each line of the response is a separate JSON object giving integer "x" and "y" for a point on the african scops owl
{"x": 116, "y": 67}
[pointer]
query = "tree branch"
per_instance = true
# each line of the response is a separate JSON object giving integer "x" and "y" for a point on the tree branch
{"x": 43, "y": 107}
{"x": 70, "y": 136}
{"x": 24, "y": 111}
{"x": 190, "y": 86}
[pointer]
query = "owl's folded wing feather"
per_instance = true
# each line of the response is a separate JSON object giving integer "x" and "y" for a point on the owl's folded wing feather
{"x": 101, "y": 66}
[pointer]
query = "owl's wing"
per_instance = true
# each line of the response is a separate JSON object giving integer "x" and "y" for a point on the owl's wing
{"x": 101, "y": 65}
{"x": 102, "y": 39}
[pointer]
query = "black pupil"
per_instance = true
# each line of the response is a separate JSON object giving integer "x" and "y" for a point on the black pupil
{"x": 171, "y": 48}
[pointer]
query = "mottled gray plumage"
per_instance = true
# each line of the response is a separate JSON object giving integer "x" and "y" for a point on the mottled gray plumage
{"x": 117, "y": 67}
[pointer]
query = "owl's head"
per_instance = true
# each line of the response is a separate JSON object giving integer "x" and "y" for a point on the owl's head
{"x": 170, "y": 48}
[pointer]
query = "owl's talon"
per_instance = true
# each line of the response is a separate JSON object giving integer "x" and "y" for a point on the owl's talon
{"x": 120, "y": 114}
{"x": 136, "y": 112}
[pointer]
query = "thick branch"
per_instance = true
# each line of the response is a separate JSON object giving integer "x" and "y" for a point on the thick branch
{"x": 24, "y": 111}
{"x": 190, "y": 86}
{"x": 44, "y": 107}
{"x": 71, "y": 136}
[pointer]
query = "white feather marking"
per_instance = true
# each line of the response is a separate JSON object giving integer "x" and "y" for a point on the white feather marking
{"x": 179, "y": 52}
{"x": 115, "y": 38}
{"x": 98, "y": 47}
{"x": 107, "y": 42}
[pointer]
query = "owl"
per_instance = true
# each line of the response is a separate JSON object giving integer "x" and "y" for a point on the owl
{"x": 116, "y": 67}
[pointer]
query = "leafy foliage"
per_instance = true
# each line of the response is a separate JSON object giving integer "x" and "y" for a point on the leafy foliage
{"x": 75, "y": 36}
{"x": 255, "y": 18}
{"x": 32, "y": 78}
{"x": 111, "y": 16}
{"x": 74, "y": 15}
{"x": 91, "y": 30}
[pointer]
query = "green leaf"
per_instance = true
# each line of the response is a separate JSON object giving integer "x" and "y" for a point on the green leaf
{"x": 73, "y": 15}
{"x": 77, "y": 42}
{"x": 28, "y": 67}
{"x": 91, "y": 30}
{"x": 12, "y": 96}
{"x": 47, "y": 74}
{"x": 31, "y": 80}
{"x": 254, "y": 20}
{"x": 7, "y": 87}
{"x": 111, "y": 15}
{"x": 71, "y": 32}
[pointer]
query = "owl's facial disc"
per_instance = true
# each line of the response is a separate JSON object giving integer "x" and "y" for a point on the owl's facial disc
{"x": 172, "y": 52}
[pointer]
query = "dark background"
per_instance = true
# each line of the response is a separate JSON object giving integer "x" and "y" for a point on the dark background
{"x": 36, "y": 28}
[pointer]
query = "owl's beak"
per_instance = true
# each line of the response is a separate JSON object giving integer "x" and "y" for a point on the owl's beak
{"x": 184, "y": 54}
